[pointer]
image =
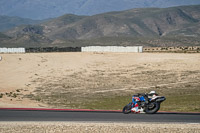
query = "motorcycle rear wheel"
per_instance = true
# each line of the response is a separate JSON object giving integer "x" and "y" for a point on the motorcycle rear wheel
{"x": 152, "y": 108}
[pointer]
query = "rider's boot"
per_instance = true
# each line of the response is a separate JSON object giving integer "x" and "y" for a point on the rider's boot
{"x": 141, "y": 110}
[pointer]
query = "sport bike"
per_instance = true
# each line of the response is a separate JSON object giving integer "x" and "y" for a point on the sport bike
{"x": 146, "y": 103}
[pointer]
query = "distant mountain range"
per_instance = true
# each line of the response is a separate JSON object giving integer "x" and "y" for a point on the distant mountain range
{"x": 42, "y": 9}
{"x": 175, "y": 26}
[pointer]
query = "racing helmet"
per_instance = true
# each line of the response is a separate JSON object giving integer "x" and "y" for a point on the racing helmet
{"x": 151, "y": 93}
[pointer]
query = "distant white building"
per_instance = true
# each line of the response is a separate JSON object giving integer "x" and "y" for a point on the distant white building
{"x": 12, "y": 50}
{"x": 128, "y": 49}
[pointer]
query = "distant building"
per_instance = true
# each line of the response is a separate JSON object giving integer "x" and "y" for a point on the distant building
{"x": 123, "y": 49}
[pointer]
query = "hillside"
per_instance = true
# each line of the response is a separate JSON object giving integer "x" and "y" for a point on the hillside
{"x": 137, "y": 22}
{"x": 3, "y": 37}
{"x": 7, "y": 22}
{"x": 42, "y": 9}
{"x": 174, "y": 26}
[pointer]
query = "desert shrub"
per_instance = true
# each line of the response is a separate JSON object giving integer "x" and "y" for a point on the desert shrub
{"x": 14, "y": 95}
{"x": 1, "y": 95}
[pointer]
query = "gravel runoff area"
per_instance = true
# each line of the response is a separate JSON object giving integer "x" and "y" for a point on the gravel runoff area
{"x": 87, "y": 127}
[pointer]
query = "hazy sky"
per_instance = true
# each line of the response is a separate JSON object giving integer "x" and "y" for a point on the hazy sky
{"x": 42, "y": 9}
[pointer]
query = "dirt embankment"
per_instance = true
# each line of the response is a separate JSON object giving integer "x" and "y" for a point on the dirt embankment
{"x": 98, "y": 80}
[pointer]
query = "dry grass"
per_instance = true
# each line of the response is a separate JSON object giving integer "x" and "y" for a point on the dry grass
{"x": 108, "y": 80}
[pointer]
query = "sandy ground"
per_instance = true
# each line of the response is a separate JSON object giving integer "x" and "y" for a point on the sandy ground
{"x": 21, "y": 74}
{"x": 94, "y": 127}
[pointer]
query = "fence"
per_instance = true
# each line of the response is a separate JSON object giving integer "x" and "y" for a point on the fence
{"x": 134, "y": 49}
{"x": 179, "y": 49}
{"x": 53, "y": 49}
{"x": 12, "y": 50}
{"x": 123, "y": 49}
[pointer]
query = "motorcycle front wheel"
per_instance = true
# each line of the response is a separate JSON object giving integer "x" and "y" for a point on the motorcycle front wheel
{"x": 127, "y": 109}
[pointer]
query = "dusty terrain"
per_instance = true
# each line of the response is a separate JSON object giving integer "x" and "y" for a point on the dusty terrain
{"x": 95, "y": 127}
{"x": 98, "y": 80}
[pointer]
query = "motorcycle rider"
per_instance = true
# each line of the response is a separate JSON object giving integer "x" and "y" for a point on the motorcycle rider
{"x": 152, "y": 94}
{"x": 138, "y": 97}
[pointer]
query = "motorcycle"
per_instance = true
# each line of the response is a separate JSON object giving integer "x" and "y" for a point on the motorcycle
{"x": 148, "y": 104}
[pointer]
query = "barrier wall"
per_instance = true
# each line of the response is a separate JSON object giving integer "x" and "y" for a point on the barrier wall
{"x": 53, "y": 49}
{"x": 12, "y": 50}
{"x": 135, "y": 49}
{"x": 180, "y": 49}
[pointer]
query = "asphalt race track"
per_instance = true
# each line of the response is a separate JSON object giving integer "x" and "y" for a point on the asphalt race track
{"x": 98, "y": 116}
